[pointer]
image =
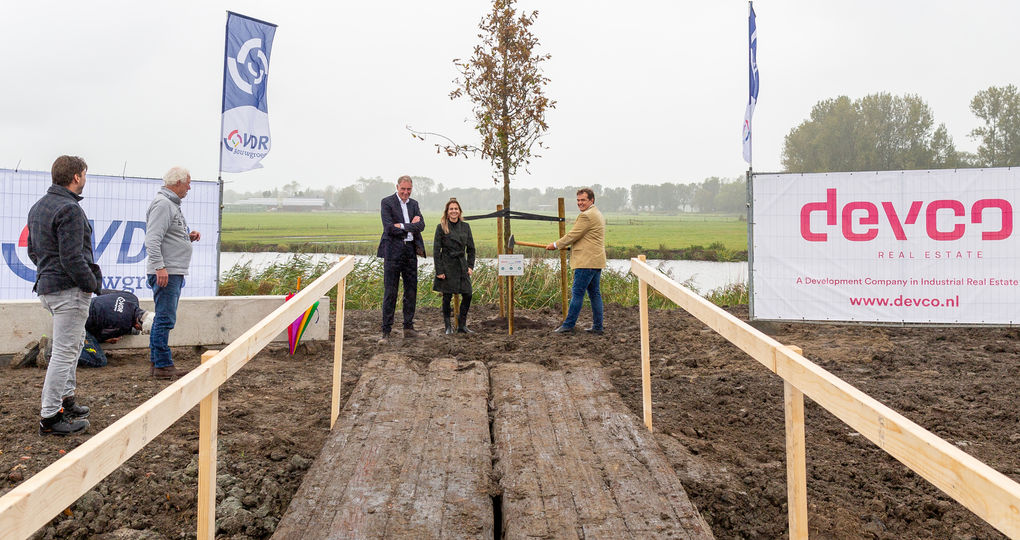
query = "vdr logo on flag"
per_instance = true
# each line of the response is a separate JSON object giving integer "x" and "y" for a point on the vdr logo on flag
{"x": 245, "y": 134}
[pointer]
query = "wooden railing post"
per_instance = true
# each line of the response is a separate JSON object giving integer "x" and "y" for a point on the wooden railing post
{"x": 207, "y": 427}
{"x": 646, "y": 368}
{"x": 796, "y": 459}
{"x": 563, "y": 257}
{"x": 338, "y": 351}
{"x": 510, "y": 305}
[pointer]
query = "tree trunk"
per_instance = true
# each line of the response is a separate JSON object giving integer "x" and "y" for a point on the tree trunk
{"x": 506, "y": 205}
{"x": 504, "y": 154}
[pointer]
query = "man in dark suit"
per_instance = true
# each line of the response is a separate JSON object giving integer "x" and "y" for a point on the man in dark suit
{"x": 400, "y": 244}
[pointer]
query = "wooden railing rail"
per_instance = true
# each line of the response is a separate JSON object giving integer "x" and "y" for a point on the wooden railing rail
{"x": 37, "y": 500}
{"x": 988, "y": 493}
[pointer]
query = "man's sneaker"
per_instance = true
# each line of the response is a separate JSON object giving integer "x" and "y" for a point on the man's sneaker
{"x": 59, "y": 424}
{"x": 166, "y": 373}
{"x": 73, "y": 410}
{"x": 564, "y": 330}
{"x": 596, "y": 331}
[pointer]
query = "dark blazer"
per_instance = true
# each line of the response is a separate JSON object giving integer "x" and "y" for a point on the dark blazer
{"x": 392, "y": 242}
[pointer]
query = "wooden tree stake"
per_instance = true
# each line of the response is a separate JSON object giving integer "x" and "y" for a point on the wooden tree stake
{"x": 499, "y": 251}
{"x": 563, "y": 257}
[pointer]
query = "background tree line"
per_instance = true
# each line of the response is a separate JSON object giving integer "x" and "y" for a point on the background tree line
{"x": 712, "y": 195}
{"x": 877, "y": 132}
{"x": 886, "y": 132}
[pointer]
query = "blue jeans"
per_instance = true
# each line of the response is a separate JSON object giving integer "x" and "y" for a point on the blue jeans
{"x": 92, "y": 354}
{"x": 166, "y": 317}
{"x": 585, "y": 279}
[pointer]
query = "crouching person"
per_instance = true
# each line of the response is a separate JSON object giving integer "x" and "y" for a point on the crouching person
{"x": 112, "y": 314}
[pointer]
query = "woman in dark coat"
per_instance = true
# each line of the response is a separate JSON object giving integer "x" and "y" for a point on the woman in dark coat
{"x": 454, "y": 252}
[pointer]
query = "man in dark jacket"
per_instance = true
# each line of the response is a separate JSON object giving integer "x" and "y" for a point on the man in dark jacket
{"x": 401, "y": 242}
{"x": 60, "y": 245}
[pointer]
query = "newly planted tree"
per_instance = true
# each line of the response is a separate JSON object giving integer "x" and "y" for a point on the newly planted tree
{"x": 504, "y": 81}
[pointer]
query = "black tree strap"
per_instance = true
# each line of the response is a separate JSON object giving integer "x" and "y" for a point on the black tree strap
{"x": 515, "y": 214}
{"x": 497, "y": 214}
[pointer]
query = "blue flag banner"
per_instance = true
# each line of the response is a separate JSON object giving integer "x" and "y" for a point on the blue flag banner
{"x": 752, "y": 67}
{"x": 244, "y": 137}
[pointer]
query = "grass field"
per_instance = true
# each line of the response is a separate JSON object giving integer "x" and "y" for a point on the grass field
{"x": 688, "y": 236}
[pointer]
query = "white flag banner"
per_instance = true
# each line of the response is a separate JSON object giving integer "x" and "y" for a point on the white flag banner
{"x": 245, "y": 137}
{"x": 752, "y": 75}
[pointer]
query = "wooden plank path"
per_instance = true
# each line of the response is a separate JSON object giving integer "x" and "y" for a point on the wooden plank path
{"x": 574, "y": 462}
{"x": 409, "y": 458}
{"x": 412, "y": 456}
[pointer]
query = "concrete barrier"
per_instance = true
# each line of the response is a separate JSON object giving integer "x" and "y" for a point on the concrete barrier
{"x": 213, "y": 320}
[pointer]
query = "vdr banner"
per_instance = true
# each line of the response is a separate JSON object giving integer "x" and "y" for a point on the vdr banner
{"x": 896, "y": 246}
{"x": 116, "y": 207}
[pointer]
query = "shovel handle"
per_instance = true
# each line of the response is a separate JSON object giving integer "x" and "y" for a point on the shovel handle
{"x": 530, "y": 244}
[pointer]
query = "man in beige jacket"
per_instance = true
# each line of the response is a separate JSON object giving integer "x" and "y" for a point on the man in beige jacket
{"x": 587, "y": 258}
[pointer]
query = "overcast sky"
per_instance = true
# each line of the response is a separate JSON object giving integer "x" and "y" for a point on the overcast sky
{"x": 647, "y": 91}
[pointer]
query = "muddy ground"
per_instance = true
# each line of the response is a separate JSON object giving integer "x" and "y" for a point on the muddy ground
{"x": 711, "y": 402}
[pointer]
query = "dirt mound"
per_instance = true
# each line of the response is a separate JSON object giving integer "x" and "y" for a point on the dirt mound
{"x": 717, "y": 413}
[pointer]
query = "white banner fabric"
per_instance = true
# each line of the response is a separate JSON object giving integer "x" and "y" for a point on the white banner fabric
{"x": 116, "y": 207}
{"x": 245, "y": 127}
{"x": 896, "y": 247}
{"x": 246, "y": 139}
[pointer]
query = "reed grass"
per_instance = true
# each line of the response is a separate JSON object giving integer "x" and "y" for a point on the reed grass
{"x": 538, "y": 288}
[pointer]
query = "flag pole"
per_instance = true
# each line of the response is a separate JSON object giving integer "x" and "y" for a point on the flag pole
{"x": 752, "y": 98}
{"x": 751, "y": 75}
{"x": 219, "y": 172}
{"x": 223, "y": 94}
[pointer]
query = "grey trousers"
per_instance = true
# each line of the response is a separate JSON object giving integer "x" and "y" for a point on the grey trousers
{"x": 70, "y": 309}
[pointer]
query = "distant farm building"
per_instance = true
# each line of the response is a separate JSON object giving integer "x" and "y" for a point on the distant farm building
{"x": 271, "y": 204}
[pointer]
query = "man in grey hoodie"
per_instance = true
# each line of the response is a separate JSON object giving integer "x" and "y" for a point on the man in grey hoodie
{"x": 168, "y": 246}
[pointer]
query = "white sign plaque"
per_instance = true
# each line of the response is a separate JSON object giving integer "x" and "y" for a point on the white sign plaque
{"x": 511, "y": 265}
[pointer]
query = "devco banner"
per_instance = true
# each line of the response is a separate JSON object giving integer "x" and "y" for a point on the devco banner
{"x": 895, "y": 247}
